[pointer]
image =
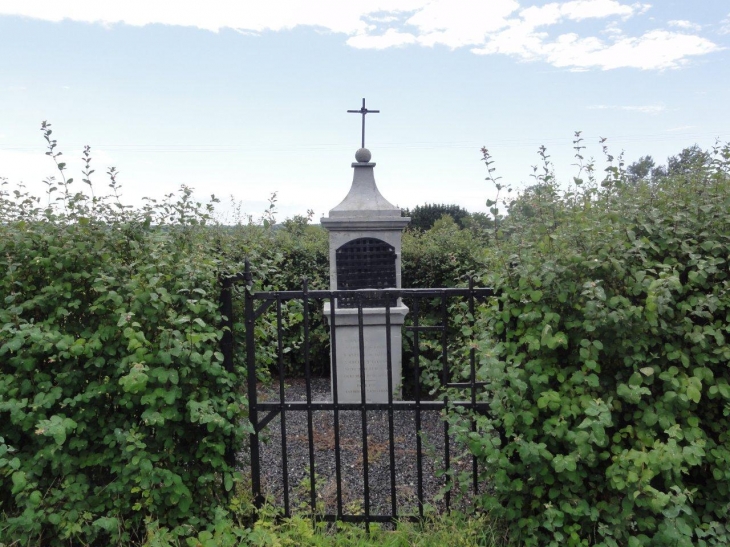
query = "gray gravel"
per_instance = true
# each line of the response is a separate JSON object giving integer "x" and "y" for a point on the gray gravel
{"x": 351, "y": 454}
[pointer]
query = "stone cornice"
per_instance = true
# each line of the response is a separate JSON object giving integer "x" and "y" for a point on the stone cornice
{"x": 353, "y": 224}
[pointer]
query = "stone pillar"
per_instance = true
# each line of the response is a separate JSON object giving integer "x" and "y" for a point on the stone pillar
{"x": 365, "y": 253}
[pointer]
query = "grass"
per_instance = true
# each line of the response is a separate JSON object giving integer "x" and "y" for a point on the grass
{"x": 455, "y": 529}
{"x": 451, "y": 530}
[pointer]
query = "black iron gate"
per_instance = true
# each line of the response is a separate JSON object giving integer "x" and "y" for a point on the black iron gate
{"x": 261, "y": 413}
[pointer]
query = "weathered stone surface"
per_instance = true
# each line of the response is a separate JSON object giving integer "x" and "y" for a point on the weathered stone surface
{"x": 364, "y": 200}
{"x": 347, "y": 344}
{"x": 363, "y": 155}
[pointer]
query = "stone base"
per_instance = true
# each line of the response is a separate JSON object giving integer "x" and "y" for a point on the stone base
{"x": 347, "y": 342}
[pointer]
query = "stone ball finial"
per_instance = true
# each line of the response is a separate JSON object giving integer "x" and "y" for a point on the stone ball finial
{"x": 363, "y": 155}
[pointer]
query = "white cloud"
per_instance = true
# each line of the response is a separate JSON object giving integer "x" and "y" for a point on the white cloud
{"x": 684, "y": 25}
{"x": 644, "y": 109}
{"x": 458, "y": 23}
{"x": 390, "y": 38}
{"x": 541, "y": 16}
{"x": 381, "y": 18}
{"x": 725, "y": 28}
{"x": 578, "y": 10}
{"x": 488, "y": 27}
{"x": 654, "y": 50}
{"x": 598, "y": 9}
{"x": 612, "y": 30}
{"x": 214, "y": 15}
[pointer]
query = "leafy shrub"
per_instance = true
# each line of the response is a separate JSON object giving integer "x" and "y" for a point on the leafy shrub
{"x": 444, "y": 256}
{"x": 423, "y": 217}
{"x": 607, "y": 375}
{"x": 281, "y": 257}
{"x": 115, "y": 406}
{"x": 440, "y": 257}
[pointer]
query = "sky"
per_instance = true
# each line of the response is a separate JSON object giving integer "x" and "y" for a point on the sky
{"x": 245, "y": 98}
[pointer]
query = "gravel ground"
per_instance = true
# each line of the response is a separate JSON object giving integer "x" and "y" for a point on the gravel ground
{"x": 351, "y": 454}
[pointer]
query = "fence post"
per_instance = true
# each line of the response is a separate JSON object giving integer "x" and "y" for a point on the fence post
{"x": 251, "y": 379}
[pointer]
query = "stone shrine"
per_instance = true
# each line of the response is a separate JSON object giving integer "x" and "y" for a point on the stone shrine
{"x": 365, "y": 253}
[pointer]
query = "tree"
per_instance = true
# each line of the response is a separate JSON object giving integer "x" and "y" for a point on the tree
{"x": 423, "y": 217}
{"x": 641, "y": 169}
{"x": 692, "y": 161}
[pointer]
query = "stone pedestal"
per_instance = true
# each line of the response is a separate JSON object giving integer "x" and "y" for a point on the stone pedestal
{"x": 365, "y": 253}
{"x": 347, "y": 341}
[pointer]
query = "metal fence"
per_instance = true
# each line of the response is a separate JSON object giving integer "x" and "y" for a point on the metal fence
{"x": 261, "y": 413}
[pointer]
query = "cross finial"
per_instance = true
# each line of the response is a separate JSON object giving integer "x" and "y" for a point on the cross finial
{"x": 364, "y": 111}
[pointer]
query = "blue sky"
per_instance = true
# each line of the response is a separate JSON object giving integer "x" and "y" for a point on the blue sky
{"x": 248, "y": 98}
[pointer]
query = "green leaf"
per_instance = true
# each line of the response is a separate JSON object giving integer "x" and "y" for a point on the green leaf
{"x": 35, "y": 498}
{"x": 19, "y": 482}
{"x": 108, "y": 524}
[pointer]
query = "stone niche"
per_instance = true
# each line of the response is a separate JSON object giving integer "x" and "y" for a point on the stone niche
{"x": 366, "y": 263}
{"x": 365, "y": 247}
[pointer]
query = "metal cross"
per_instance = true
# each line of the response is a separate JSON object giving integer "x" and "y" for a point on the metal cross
{"x": 364, "y": 111}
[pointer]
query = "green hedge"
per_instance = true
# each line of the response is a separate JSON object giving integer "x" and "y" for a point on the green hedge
{"x": 114, "y": 404}
{"x": 441, "y": 257}
{"x": 608, "y": 366}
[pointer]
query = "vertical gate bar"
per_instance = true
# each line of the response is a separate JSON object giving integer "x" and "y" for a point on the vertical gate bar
{"x": 445, "y": 363}
{"x": 473, "y": 379}
{"x": 282, "y": 411}
{"x": 335, "y": 400}
{"x": 226, "y": 307}
{"x": 308, "y": 376}
{"x": 417, "y": 374}
{"x": 363, "y": 399}
{"x": 251, "y": 379}
{"x": 391, "y": 439}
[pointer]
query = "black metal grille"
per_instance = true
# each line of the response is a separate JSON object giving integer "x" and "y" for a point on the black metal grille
{"x": 366, "y": 263}
{"x": 262, "y": 412}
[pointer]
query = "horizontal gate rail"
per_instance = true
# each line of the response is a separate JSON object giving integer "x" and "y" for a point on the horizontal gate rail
{"x": 417, "y": 293}
{"x": 268, "y": 410}
{"x": 396, "y": 405}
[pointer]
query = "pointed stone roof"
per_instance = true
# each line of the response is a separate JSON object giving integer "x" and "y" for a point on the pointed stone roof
{"x": 364, "y": 205}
